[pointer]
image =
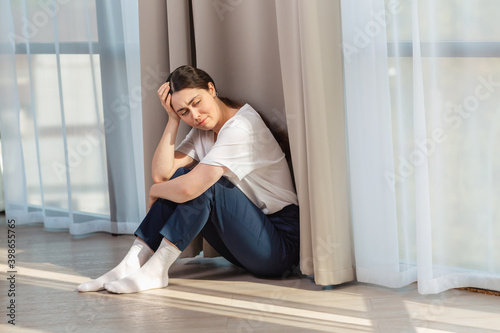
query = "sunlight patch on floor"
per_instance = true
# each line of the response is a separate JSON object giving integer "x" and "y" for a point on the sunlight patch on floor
{"x": 244, "y": 311}
{"x": 44, "y": 274}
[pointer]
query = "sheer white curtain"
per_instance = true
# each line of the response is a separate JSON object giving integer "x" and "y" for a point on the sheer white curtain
{"x": 423, "y": 119}
{"x": 71, "y": 114}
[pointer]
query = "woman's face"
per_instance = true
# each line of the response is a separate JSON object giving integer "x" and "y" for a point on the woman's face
{"x": 197, "y": 107}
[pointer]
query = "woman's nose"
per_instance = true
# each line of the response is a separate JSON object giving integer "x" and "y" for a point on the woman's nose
{"x": 195, "y": 114}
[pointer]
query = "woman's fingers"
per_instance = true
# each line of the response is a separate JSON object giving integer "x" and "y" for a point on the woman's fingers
{"x": 170, "y": 110}
{"x": 166, "y": 100}
{"x": 169, "y": 100}
{"x": 163, "y": 91}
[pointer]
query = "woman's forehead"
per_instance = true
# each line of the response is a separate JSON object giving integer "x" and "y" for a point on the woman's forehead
{"x": 184, "y": 96}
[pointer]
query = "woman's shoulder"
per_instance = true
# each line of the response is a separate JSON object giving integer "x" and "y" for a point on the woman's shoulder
{"x": 247, "y": 119}
{"x": 241, "y": 123}
{"x": 247, "y": 110}
{"x": 247, "y": 116}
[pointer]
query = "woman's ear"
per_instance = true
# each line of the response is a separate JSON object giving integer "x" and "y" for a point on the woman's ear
{"x": 211, "y": 89}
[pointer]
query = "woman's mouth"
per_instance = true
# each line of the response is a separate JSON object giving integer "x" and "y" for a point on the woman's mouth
{"x": 202, "y": 122}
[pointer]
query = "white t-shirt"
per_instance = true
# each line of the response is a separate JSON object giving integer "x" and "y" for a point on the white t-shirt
{"x": 256, "y": 163}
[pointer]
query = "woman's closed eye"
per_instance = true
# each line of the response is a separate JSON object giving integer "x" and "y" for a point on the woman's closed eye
{"x": 184, "y": 112}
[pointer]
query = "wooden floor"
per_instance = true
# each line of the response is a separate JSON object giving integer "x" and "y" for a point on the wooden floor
{"x": 210, "y": 295}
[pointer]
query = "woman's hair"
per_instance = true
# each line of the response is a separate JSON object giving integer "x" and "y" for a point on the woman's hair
{"x": 191, "y": 77}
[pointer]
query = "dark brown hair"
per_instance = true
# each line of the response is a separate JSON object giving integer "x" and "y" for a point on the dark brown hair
{"x": 191, "y": 77}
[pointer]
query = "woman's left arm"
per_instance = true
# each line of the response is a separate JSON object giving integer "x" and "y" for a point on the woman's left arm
{"x": 188, "y": 186}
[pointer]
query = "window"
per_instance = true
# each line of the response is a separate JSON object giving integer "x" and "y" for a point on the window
{"x": 62, "y": 122}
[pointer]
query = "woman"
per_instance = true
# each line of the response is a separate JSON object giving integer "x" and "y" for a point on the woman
{"x": 239, "y": 193}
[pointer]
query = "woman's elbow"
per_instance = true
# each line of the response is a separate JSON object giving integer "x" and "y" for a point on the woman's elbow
{"x": 159, "y": 179}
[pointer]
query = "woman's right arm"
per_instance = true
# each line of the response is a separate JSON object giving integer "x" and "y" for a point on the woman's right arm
{"x": 166, "y": 160}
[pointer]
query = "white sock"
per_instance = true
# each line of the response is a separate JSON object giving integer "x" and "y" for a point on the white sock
{"x": 153, "y": 275}
{"x": 138, "y": 254}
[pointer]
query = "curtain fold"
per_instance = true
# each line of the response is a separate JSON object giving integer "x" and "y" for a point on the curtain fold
{"x": 117, "y": 101}
{"x": 14, "y": 180}
{"x": 311, "y": 67}
{"x": 369, "y": 128}
{"x": 422, "y": 116}
{"x": 70, "y": 71}
{"x": 181, "y": 49}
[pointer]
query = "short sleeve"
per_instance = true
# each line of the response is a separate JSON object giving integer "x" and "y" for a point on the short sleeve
{"x": 234, "y": 150}
{"x": 187, "y": 145}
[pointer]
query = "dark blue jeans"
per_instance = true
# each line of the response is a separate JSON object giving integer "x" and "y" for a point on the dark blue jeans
{"x": 265, "y": 245}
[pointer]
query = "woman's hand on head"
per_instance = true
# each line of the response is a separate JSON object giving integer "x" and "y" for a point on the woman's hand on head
{"x": 166, "y": 100}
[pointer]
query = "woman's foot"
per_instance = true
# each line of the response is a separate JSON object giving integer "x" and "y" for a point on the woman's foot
{"x": 138, "y": 254}
{"x": 153, "y": 275}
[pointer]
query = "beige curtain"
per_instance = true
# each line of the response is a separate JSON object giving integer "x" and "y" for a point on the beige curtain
{"x": 284, "y": 59}
{"x": 237, "y": 43}
{"x": 311, "y": 66}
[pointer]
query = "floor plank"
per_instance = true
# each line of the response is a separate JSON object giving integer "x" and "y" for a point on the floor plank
{"x": 210, "y": 295}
